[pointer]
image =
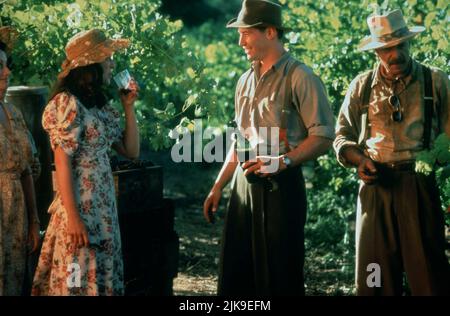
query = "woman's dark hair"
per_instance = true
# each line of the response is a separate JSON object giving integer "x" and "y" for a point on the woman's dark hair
{"x": 86, "y": 83}
{"x": 8, "y": 58}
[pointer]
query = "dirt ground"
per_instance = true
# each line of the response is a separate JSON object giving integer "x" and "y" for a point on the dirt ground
{"x": 188, "y": 184}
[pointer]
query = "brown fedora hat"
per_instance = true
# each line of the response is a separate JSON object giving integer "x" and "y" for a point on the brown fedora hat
{"x": 258, "y": 13}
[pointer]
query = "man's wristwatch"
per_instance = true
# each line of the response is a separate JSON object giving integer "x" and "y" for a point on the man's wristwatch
{"x": 287, "y": 161}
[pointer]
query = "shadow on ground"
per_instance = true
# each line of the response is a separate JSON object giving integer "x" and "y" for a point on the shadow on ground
{"x": 188, "y": 184}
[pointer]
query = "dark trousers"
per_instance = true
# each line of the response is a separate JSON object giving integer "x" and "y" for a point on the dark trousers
{"x": 400, "y": 227}
{"x": 263, "y": 239}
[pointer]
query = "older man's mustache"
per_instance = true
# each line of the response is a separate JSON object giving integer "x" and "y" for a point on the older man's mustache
{"x": 397, "y": 61}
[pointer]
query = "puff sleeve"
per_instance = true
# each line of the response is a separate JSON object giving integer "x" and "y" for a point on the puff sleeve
{"x": 61, "y": 119}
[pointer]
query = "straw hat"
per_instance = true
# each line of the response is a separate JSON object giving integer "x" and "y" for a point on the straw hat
{"x": 89, "y": 47}
{"x": 388, "y": 30}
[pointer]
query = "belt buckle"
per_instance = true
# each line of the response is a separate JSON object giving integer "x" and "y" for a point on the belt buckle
{"x": 393, "y": 165}
{"x": 401, "y": 165}
{"x": 273, "y": 184}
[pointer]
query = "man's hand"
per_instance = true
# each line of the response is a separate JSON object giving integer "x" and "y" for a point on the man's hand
{"x": 365, "y": 166}
{"x": 367, "y": 171}
{"x": 264, "y": 166}
{"x": 211, "y": 204}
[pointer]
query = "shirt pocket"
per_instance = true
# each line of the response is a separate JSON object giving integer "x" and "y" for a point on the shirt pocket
{"x": 271, "y": 112}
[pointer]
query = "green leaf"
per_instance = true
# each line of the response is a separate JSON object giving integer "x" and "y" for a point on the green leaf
{"x": 430, "y": 19}
{"x": 442, "y": 4}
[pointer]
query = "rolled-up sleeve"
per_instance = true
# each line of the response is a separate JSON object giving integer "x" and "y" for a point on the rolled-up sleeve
{"x": 312, "y": 103}
{"x": 348, "y": 125}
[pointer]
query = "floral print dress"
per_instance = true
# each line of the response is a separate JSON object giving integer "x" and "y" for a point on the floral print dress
{"x": 16, "y": 153}
{"x": 86, "y": 136}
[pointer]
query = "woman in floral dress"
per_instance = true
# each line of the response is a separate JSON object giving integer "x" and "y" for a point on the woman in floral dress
{"x": 81, "y": 253}
{"x": 19, "y": 224}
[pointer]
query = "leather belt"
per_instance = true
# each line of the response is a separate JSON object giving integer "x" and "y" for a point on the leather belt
{"x": 398, "y": 166}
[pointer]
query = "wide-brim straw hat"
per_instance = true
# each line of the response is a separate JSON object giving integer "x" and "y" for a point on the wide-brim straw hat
{"x": 9, "y": 36}
{"x": 387, "y": 30}
{"x": 89, "y": 47}
{"x": 256, "y": 13}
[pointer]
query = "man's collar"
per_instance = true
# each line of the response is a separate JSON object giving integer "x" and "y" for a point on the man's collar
{"x": 281, "y": 61}
{"x": 378, "y": 77}
{"x": 256, "y": 64}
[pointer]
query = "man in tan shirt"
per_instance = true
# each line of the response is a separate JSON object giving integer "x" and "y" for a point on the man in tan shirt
{"x": 388, "y": 116}
{"x": 263, "y": 240}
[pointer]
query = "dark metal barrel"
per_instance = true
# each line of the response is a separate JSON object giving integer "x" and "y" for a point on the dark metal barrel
{"x": 31, "y": 101}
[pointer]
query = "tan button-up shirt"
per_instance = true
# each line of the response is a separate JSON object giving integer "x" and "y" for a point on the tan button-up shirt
{"x": 391, "y": 141}
{"x": 259, "y": 101}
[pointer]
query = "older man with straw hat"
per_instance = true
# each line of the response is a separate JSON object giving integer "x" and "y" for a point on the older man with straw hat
{"x": 389, "y": 115}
